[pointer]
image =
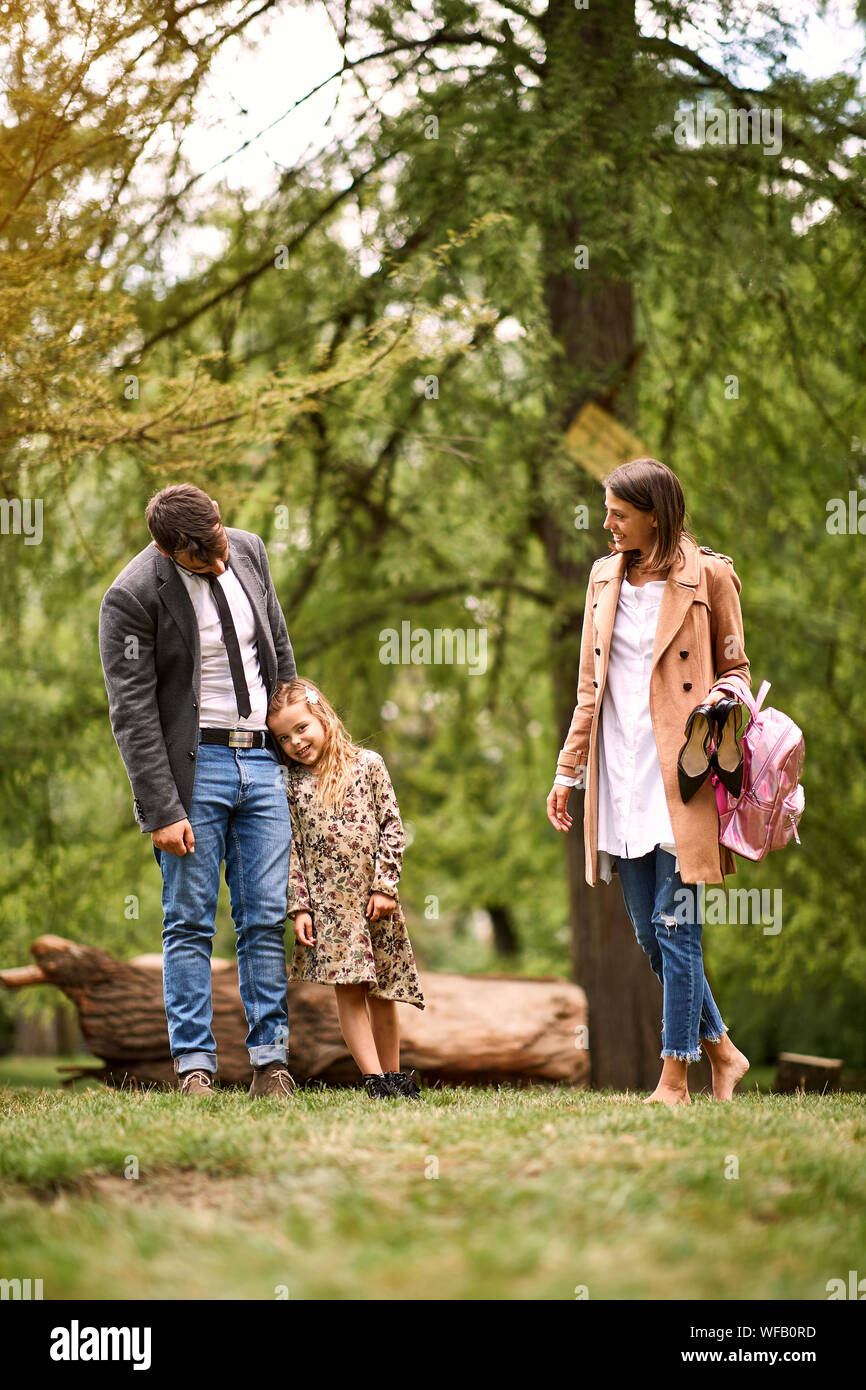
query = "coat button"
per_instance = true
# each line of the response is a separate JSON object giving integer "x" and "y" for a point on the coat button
{"x": 687, "y": 686}
{"x": 595, "y": 683}
{"x": 598, "y": 651}
{"x": 192, "y": 755}
{"x": 684, "y": 654}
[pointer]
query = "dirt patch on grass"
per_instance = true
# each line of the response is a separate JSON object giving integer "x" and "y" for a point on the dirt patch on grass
{"x": 191, "y": 1189}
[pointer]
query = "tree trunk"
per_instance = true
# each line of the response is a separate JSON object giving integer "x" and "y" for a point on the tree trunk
{"x": 505, "y": 942}
{"x": 591, "y": 317}
{"x": 796, "y": 1071}
{"x": 475, "y": 1029}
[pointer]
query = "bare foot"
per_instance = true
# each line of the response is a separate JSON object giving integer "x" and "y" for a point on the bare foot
{"x": 729, "y": 1066}
{"x": 669, "y": 1095}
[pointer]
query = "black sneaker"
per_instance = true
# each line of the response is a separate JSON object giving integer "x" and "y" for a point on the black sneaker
{"x": 403, "y": 1084}
{"x": 377, "y": 1086}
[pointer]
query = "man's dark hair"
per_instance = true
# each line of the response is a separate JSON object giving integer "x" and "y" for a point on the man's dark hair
{"x": 182, "y": 517}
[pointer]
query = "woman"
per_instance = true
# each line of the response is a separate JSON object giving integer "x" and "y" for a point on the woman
{"x": 662, "y": 623}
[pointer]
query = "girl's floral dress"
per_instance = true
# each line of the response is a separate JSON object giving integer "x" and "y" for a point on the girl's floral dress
{"x": 337, "y": 859}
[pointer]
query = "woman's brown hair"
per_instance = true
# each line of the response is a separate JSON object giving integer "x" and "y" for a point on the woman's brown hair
{"x": 335, "y": 768}
{"x": 651, "y": 486}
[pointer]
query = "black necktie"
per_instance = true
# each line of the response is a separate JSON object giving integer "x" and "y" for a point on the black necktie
{"x": 233, "y": 647}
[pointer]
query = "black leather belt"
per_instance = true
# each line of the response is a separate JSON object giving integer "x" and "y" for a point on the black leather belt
{"x": 237, "y": 738}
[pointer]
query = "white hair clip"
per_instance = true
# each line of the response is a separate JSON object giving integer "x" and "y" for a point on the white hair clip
{"x": 312, "y": 695}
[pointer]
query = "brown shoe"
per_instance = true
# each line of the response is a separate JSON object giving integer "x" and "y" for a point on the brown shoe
{"x": 273, "y": 1079}
{"x": 196, "y": 1083}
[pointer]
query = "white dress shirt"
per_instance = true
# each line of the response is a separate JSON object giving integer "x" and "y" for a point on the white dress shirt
{"x": 633, "y": 814}
{"x": 218, "y": 707}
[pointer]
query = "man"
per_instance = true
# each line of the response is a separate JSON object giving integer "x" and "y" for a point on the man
{"x": 193, "y": 642}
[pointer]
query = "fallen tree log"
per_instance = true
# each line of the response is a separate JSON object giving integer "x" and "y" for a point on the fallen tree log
{"x": 475, "y": 1028}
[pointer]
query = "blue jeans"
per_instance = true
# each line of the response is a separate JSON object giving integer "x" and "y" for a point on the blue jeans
{"x": 239, "y": 813}
{"x": 649, "y": 885}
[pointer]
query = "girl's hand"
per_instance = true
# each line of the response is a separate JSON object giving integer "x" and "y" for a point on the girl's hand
{"x": 380, "y": 905}
{"x": 304, "y": 929}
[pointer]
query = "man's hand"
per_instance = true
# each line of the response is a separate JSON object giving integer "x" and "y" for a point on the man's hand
{"x": 380, "y": 905}
{"x": 175, "y": 839}
{"x": 304, "y": 929}
{"x": 557, "y": 807}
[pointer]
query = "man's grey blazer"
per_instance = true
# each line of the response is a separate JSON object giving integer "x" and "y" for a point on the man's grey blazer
{"x": 151, "y": 660}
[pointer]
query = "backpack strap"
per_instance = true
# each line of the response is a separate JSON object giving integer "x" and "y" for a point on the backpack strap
{"x": 739, "y": 691}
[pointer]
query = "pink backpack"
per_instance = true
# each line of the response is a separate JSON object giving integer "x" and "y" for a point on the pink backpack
{"x": 769, "y": 807}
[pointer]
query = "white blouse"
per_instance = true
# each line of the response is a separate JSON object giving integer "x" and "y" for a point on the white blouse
{"x": 633, "y": 813}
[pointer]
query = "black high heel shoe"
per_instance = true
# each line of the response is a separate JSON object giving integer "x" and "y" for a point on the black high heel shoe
{"x": 726, "y": 758}
{"x": 693, "y": 763}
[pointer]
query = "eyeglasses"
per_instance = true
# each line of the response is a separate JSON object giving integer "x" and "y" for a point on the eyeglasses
{"x": 224, "y": 555}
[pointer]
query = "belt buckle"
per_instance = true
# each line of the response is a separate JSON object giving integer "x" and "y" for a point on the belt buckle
{"x": 240, "y": 738}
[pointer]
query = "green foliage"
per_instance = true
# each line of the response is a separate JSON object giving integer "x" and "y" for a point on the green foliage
{"x": 393, "y": 428}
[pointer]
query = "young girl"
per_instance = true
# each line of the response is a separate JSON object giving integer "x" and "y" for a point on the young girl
{"x": 345, "y": 862}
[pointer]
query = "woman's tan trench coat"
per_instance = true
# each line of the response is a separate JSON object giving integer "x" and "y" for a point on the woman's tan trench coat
{"x": 699, "y": 639}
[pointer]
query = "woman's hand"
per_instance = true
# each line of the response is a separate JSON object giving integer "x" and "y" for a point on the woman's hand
{"x": 304, "y": 929}
{"x": 380, "y": 905}
{"x": 557, "y": 807}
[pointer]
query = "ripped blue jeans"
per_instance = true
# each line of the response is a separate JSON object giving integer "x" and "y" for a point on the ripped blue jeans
{"x": 689, "y": 1013}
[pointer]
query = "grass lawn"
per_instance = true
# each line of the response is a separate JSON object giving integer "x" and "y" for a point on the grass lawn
{"x": 471, "y": 1194}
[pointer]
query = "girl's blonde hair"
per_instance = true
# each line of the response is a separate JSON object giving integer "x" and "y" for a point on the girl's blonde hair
{"x": 335, "y": 768}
